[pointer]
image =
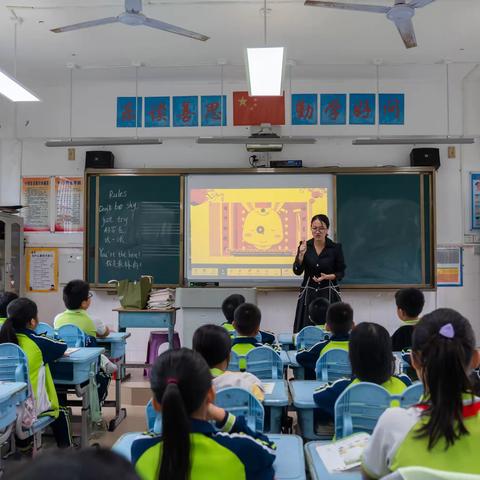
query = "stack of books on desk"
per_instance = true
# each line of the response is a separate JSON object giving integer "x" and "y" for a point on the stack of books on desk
{"x": 163, "y": 298}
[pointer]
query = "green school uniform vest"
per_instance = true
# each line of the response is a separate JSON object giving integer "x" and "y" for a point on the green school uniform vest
{"x": 342, "y": 345}
{"x": 462, "y": 457}
{"x": 394, "y": 386}
{"x": 80, "y": 318}
{"x": 35, "y": 362}
{"x": 2, "y": 321}
{"x": 208, "y": 459}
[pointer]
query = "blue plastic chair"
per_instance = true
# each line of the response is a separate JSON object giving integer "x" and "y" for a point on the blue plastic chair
{"x": 45, "y": 328}
{"x": 14, "y": 368}
{"x": 412, "y": 395}
{"x": 333, "y": 365}
{"x": 234, "y": 364}
{"x": 72, "y": 336}
{"x": 265, "y": 363}
{"x": 153, "y": 418}
{"x": 241, "y": 402}
{"x": 358, "y": 408}
{"x": 309, "y": 336}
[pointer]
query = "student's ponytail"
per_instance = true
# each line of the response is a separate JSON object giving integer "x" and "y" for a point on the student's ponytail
{"x": 443, "y": 345}
{"x": 180, "y": 382}
{"x": 19, "y": 314}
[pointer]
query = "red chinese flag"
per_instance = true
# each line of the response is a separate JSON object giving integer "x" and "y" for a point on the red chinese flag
{"x": 249, "y": 110}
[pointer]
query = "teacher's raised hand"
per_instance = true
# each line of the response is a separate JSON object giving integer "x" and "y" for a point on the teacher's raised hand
{"x": 302, "y": 248}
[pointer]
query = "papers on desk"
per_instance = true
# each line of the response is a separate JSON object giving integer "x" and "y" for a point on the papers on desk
{"x": 268, "y": 387}
{"x": 343, "y": 454}
{"x": 69, "y": 351}
{"x": 163, "y": 298}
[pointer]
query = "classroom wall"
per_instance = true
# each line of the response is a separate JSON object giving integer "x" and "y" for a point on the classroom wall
{"x": 94, "y": 96}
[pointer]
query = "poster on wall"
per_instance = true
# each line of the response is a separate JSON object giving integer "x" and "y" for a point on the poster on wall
{"x": 449, "y": 266}
{"x": 68, "y": 204}
{"x": 36, "y": 199}
{"x": 42, "y": 269}
{"x": 475, "y": 185}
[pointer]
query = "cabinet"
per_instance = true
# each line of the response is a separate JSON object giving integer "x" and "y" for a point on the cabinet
{"x": 12, "y": 272}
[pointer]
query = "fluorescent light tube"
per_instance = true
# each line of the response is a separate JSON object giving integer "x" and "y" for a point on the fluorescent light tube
{"x": 265, "y": 67}
{"x": 89, "y": 142}
{"x": 14, "y": 91}
{"x": 413, "y": 140}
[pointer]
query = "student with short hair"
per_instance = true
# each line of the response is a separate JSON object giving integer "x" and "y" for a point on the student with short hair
{"x": 78, "y": 298}
{"x": 339, "y": 322}
{"x": 229, "y": 306}
{"x": 246, "y": 321}
{"x": 215, "y": 345}
{"x": 41, "y": 351}
{"x": 190, "y": 446}
{"x": 443, "y": 431}
{"x": 5, "y": 299}
{"x": 410, "y": 302}
{"x": 371, "y": 358}
{"x": 317, "y": 312}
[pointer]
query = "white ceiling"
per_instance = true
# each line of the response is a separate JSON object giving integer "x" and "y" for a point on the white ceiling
{"x": 446, "y": 29}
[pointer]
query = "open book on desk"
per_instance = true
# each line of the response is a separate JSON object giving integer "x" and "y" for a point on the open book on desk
{"x": 343, "y": 454}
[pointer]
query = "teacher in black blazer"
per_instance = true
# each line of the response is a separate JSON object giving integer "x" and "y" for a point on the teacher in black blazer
{"x": 322, "y": 263}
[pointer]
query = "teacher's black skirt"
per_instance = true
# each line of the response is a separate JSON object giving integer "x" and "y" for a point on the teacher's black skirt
{"x": 307, "y": 295}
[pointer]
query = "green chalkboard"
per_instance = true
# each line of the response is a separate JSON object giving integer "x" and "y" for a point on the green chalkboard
{"x": 134, "y": 228}
{"x": 383, "y": 223}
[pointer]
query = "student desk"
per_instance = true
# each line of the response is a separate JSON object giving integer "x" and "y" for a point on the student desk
{"x": 149, "y": 318}
{"x": 275, "y": 402}
{"x": 73, "y": 372}
{"x": 317, "y": 468}
{"x": 286, "y": 341}
{"x": 115, "y": 345}
{"x": 11, "y": 394}
{"x": 289, "y": 463}
{"x": 302, "y": 399}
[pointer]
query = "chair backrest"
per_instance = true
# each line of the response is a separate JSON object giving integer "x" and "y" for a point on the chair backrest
{"x": 13, "y": 364}
{"x": 358, "y": 408}
{"x": 333, "y": 365}
{"x": 234, "y": 364}
{"x": 45, "y": 328}
{"x": 241, "y": 402}
{"x": 153, "y": 418}
{"x": 309, "y": 336}
{"x": 265, "y": 363}
{"x": 411, "y": 395}
{"x": 71, "y": 335}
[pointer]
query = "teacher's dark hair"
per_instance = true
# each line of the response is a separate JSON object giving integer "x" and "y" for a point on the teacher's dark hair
{"x": 445, "y": 363}
{"x": 321, "y": 218}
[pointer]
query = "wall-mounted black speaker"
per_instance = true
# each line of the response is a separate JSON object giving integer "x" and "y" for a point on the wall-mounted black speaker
{"x": 425, "y": 157}
{"x": 100, "y": 159}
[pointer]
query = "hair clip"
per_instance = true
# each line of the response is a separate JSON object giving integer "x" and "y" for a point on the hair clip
{"x": 447, "y": 331}
{"x": 172, "y": 380}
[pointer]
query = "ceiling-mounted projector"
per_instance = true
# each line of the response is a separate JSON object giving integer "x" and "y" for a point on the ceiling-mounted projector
{"x": 265, "y": 140}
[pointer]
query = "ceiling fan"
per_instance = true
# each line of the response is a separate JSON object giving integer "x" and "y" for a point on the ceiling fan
{"x": 400, "y": 14}
{"x": 133, "y": 16}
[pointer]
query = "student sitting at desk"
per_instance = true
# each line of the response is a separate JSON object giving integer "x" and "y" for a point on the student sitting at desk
{"x": 246, "y": 321}
{"x": 229, "y": 306}
{"x": 339, "y": 323}
{"x": 214, "y": 344}
{"x": 5, "y": 299}
{"x": 78, "y": 298}
{"x": 443, "y": 431}
{"x": 190, "y": 446}
{"x": 410, "y": 302}
{"x": 371, "y": 358}
{"x": 40, "y": 350}
{"x": 317, "y": 314}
